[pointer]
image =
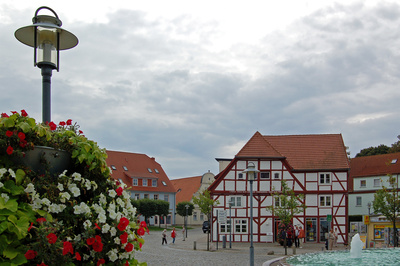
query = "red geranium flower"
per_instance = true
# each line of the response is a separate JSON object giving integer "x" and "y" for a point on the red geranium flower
{"x": 52, "y": 238}
{"x": 30, "y": 227}
{"x": 124, "y": 238}
{"x": 90, "y": 241}
{"x": 69, "y": 122}
{"x": 98, "y": 246}
{"x": 21, "y": 135}
{"x": 30, "y": 254}
{"x": 100, "y": 261}
{"x": 10, "y": 150}
{"x": 42, "y": 264}
{"x": 127, "y": 263}
{"x": 119, "y": 191}
{"x": 140, "y": 231}
{"x": 62, "y": 123}
{"x": 140, "y": 245}
{"x": 123, "y": 223}
{"x": 52, "y": 126}
{"x": 23, "y": 113}
{"x": 41, "y": 220}
{"x": 129, "y": 247}
{"x": 4, "y": 115}
{"x": 67, "y": 248}
{"x": 143, "y": 224}
{"x": 78, "y": 256}
{"x": 14, "y": 112}
{"x": 97, "y": 226}
{"x": 9, "y": 133}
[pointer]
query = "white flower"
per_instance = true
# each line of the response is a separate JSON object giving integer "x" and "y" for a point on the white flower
{"x": 12, "y": 173}
{"x": 103, "y": 199}
{"x": 87, "y": 224}
{"x": 86, "y": 257}
{"x": 63, "y": 174}
{"x": 88, "y": 185}
{"x": 5, "y": 197}
{"x": 74, "y": 190}
{"x": 2, "y": 172}
{"x": 112, "y": 214}
{"x": 112, "y": 193}
{"x": 117, "y": 241}
{"x": 113, "y": 254}
{"x": 64, "y": 196}
{"x": 30, "y": 188}
{"x": 82, "y": 208}
{"x": 77, "y": 176}
{"x": 60, "y": 187}
{"x": 1, "y": 185}
{"x": 105, "y": 228}
{"x": 113, "y": 231}
{"x": 94, "y": 185}
{"x": 102, "y": 218}
{"x": 46, "y": 201}
{"x": 77, "y": 238}
{"x": 121, "y": 202}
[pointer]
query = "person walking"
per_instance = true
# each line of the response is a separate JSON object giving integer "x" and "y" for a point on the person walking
{"x": 164, "y": 237}
{"x": 336, "y": 237}
{"x": 296, "y": 236}
{"x": 331, "y": 239}
{"x": 302, "y": 236}
{"x": 173, "y": 235}
{"x": 183, "y": 232}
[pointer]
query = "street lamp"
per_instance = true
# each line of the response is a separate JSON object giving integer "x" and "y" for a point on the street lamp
{"x": 251, "y": 172}
{"x": 187, "y": 207}
{"x": 369, "y": 213}
{"x": 230, "y": 223}
{"x": 369, "y": 208}
{"x": 47, "y": 38}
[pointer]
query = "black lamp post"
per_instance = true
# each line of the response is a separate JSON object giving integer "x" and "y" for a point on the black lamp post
{"x": 251, "y": 176}
{"x": 187, "y": 207}
{"x": 47, "y": 38}
{"x": 230, "y": 223}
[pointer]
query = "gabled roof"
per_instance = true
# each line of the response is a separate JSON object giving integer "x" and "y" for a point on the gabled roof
{"x": 186, "y": 187}
{"x": 376, "y": 165}
{"x": 302, "y": 152}
{"x": 137, "y": 166}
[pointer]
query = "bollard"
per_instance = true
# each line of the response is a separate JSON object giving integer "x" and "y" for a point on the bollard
{"x": 294, "y": 250}
{"x": 194, "y": 245}
{"x": 223, "y": 241}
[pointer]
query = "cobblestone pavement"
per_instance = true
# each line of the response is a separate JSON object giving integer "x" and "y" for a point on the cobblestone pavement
{"x": 183, "y": 253}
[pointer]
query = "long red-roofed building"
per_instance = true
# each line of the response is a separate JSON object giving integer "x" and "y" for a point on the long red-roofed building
{"x": 314, "y": 165}
{"x": 145, "y": 178}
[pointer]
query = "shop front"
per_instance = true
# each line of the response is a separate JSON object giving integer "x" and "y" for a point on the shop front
{"x": 381, "y": 232}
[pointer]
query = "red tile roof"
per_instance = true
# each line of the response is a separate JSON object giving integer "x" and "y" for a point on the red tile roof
{"x": 137, "y": 166}
{"x": 303, "y": 152}
{"x": 186, "y": 187}
{"x": 376, "y": 165}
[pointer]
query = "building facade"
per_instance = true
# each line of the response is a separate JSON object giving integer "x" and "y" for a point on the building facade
{"x": 145, "y": 178}
{"x": 314, "y": 165}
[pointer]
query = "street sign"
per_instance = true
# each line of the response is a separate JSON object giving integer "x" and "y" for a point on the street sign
{"x": 329, "y": 217}
{"x": 366, "y": 219}
{"x": 222, "y": 216}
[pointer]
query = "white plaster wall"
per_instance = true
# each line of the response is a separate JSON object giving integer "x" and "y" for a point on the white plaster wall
{"x": 311, "y": 186}
{"x": 312, "y": 176}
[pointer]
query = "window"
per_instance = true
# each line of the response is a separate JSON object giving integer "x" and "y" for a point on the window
{"x": 146, "y": 196}
{"x": 277, "y": 202}
{"x": 125, "y": 168}
{"x": 264, "y": 175}
{"x": 201, "y": 216}
{"x": 240, "y": 226}
{"x": 145, "y": 182}
{"x": 154, "y": 182}
{"x": 324, "y": 201}
{"x": 377, "y": 182}
{"x": 163, "y": 182}
{"x": 137, "y": 196}
{"x": 358, "y": 201}
{"x": 324, "y": 178}
{"x": 156, "y": 170}
{"x": 363, "y": 183}
{"x": 166, "y": 197}
{"x": 277, "y": 175}
{"x": 226, "y": 227}
{"x": 148, "y": 169}
{"x": 240, "y": 175}
{"x": 134, "y": 182}
{"x": 394, "y": 161}
{"x": 156, "y": 196}
{"x": 236, "y": 201}
{"x": 113, "y": 167}
{"x": 194, "y": 216}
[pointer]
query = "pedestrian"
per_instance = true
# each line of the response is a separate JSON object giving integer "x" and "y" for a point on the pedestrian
{"x": 164, "y": 237}
{"x": 331, "y": 239}
{"x": 289, "y": 237}
{"x": 173, "y": 235}
{"x": 336, "y": 237}
{"x": 183, "y": 232}
{"x": 296, "y": 236}
{"x": 302, "y": 236}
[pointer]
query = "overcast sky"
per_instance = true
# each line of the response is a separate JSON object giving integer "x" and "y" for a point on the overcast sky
{"x": 190, "y": 81}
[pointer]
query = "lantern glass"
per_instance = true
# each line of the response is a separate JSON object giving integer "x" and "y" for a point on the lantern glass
{"x": 47, "y": 46}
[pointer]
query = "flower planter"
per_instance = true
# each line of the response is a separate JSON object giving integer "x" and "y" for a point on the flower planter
{"x": 42, "y": 157}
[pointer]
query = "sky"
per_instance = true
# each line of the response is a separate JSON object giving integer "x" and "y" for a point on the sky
{"x": 190, "y": 81}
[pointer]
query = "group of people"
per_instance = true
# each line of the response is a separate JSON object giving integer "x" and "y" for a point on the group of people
{"x": 173, "y": 235}
{"x": 331, "y": 239}
{"x": 295, "y": 235}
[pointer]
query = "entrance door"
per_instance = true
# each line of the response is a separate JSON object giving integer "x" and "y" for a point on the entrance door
{"x": 277, "y": 221}
{"x": 323, "y": 229}
{"x": 311, "y": 229}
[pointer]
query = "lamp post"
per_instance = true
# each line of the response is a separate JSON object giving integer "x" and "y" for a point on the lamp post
{"x": 369, "y": 213}
{"x": 251, "y": 176}
{"x": 187, "y": 207}
{"x": 230, "y": 223}
{"x": 47, "y": 38}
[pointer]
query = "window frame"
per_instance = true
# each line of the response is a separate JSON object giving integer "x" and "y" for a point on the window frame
{"x": 375, "y": 181}
{"x": 363, "y": 183}
{"x": 144, "y": 182}
{"x": 235, "y": 201}
{"x": 324, "y": 177}
{"x": 135, "y": 182}
{"x": 325, "y": 197}
{"x": 265, "y": 175}
{"x": 154, "y": 182}
{"x": 243, "y": 226}
{"x": 358, "y": 204}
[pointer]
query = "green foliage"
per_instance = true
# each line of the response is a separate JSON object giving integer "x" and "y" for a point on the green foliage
{"x": 162, "y": 207}
{"x": 290, "y": 204}
{"x": 181, "y": 209}
{"x": 381, "y": 149}
{"x": 205, "y": 202}
{"x": 387, "y": 202}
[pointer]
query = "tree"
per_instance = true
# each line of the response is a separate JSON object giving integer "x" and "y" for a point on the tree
{"x": 181, "y": 208}
{"x": 205, "y": 203}
{"x": 162, "y": 208}
{"x": 381, "y": 149}
{"x": 286, "y": 205}
{"x": 147, "y": 208}
{"x": 387, "y": 202}
{"x": 395, "y": 146}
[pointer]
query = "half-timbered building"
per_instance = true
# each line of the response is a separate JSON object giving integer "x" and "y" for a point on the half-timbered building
{"x": 314, "y": 165}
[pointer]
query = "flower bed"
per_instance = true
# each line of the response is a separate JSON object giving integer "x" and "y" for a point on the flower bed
{"x": 80, "y": 216}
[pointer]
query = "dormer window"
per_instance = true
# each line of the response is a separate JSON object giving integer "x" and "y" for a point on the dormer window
{"x": 156, "y": 170}
{"x": 148, "y": 169}
{"x": 125, "y": 168}
{"x": 163, "y": 182}
{"x": 113, "y": 167}
{"x": 394, "y": 161}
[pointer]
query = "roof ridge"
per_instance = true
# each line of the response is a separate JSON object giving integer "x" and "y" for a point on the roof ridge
{"x": 258, "y": 146}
